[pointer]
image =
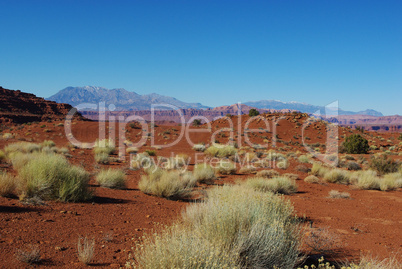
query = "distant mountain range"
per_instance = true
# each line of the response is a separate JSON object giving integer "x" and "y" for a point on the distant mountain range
{"x": 306, "y": 108}
{"x": 123, "y": 100}
{"x": 128, "y": 101}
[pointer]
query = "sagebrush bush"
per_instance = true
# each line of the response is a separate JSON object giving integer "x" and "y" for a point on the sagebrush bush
{"x": 353, "y": 166}
{"x": 303, "y": 159}
{"x": 384, "y": 165}
{"x": 311, "y": 179}
{"x": 168, "y": 184}
{"x": 51, "y": 177}
{"x": 283, "y": 185}
{"x": 111, "y": 178}
{"x": 221, "y": 151}
{"x": 235, "y": 227}
{"x": 267, "y": 173}
{"x": 8, "y": 185}
{"x": 225, "y": 167}
{"x": 204, "y": 173}
{"x": 356, "y": 144}
{"x": 337, "y": 176}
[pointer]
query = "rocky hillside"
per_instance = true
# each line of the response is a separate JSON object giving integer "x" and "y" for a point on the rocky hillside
{"x": 20, "y": 107}
{"x": 122, "y": 99}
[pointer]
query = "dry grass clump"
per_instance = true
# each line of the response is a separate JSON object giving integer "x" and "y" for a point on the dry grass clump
{"x": 2, "y": 156}
{"x": 30, "y": 255}
{"x": 283, "y": 185}
{"x": 48, "y": 143}
{"x": 8, "y": 185}
{"x": 141, "y": 160}
{"x": 311, "y": 179}
{"x": 132, "y": 150}
{"x": 102, "y": 158}
{"x": 235, "y": 227}
{"x": 104, "y": 146}
{"x": 337, "y": 176}
{"x": 177, "y": 162}
{"x": 366, "y": 262}
{"x": 366, "y": 180}
{"x": 225, "y": 167}
{"x": 111, "y": 178}
{"x": 22, "y": 147}
{"x": 8, "y": 136}
{"x": 167, "y": 184}
{"x": 204, "y": 173}
{"x": 291, "y": 176}
{"x": 85, "y": 250}
{"x": 267, "y": 173}
{"x": 302, "y": 168}
{"x": 52, "y": 177}
{"x": 319, "y": 170}
{"x": 249, "y": 169}
{"x": 303, "y": 159}
{"x": 221, "y": 151}
{"x": 339, "y": 195}
{"x": 199, "y": 147}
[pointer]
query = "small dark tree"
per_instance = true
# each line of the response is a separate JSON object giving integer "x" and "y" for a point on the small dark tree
{"x": 356, "y": 144}
{"x": 253, "y": 112}
{"x": 400, "y": 137}
{"x": 196, "y": 122}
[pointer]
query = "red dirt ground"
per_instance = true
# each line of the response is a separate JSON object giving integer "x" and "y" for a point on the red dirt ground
{"x": 369, "y": 222}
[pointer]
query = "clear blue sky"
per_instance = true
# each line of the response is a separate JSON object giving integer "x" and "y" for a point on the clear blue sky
{"x": 213, "y": 52}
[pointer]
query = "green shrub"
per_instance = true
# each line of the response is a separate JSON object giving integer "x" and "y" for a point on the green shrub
{"x": 8, "y": 185}
{"x": 51, "y": 177}
{"x": 111, "y": 178}
{"x": 151, "y": 152}
{"x": 356, "y": 144}
{"x": 221, "y": 151}
{"x": 167, "y": 184}
{"x": 225, "y": 167}
{"x": 282, "y": 185}
{"x": 384, "y": 165}
{"x": 253, "y": 112}
{"x": 204, "y": 173}
{"x": 235, "y": 227}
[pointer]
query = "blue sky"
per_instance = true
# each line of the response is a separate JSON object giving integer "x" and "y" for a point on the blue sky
{"x": 212, "y": 52}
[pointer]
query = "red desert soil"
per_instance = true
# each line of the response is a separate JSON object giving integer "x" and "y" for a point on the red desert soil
{"x": 369, "y": 222}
